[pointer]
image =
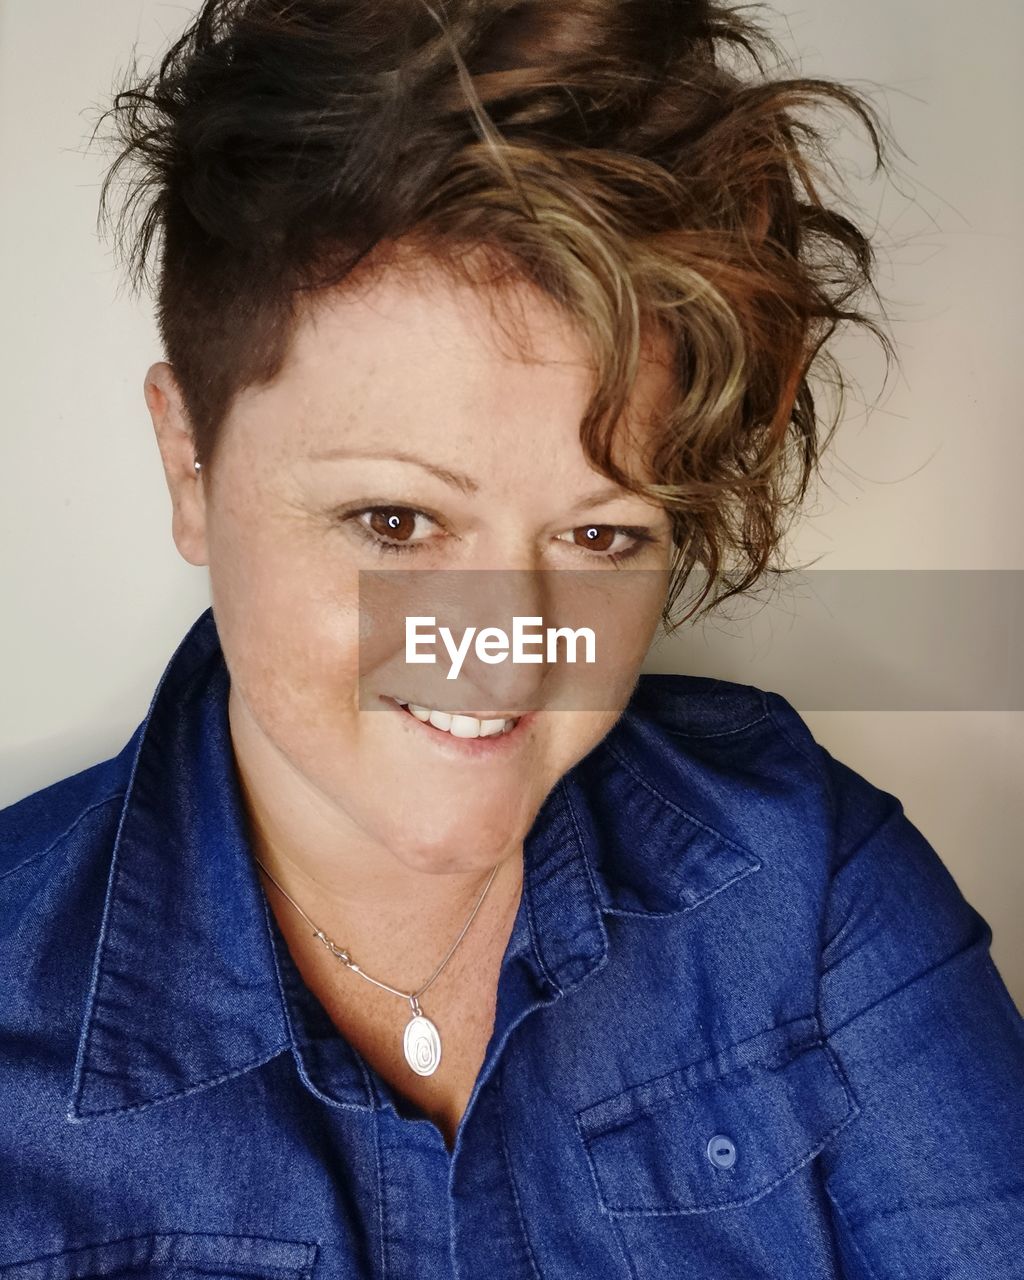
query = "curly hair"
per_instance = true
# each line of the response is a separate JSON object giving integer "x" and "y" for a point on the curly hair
{"x": 634, "y": 159}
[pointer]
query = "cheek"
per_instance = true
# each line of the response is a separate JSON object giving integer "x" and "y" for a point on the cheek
{"x": 272, "y": 567}
{"x": 290, "y": 634}
{"x": 285, "y": 598}
{"x": 297, "y": 673}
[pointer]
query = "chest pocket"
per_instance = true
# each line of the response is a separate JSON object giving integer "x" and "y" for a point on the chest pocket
{"x": 175, "y": 1254}
{"x": 719, "y": 1134}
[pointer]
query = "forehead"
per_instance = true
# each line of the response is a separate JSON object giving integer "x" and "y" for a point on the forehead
{"x": 427, "y": 320}
{"x": 413, "y": 352}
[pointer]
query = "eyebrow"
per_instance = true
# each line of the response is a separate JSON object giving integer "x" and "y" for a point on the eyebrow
{"x": 457, "y": 479}
{"x": 454, "y": 478}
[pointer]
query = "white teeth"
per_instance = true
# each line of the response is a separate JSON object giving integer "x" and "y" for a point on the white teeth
{"x": 458, "y": 726}
{"x": 469, "y": 727}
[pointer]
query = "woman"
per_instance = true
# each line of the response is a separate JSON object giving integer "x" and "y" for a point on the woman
{"x": 345, "y": 968}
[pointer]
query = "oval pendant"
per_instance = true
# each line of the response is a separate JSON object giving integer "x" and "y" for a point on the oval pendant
{"x": 422, "y": 1045}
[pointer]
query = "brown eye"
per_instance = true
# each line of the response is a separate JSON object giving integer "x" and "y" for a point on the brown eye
{"x": 397, "y": 523}
{"x": 596, "y": 537}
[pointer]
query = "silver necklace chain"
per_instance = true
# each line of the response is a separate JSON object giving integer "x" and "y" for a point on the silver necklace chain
{"x": 422, "y": 1039}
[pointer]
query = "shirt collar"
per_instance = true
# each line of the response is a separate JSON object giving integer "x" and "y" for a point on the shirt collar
{"x": 191, "y": 983}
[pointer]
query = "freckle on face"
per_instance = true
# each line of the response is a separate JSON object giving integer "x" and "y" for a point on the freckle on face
{"x": 414, "y": 367}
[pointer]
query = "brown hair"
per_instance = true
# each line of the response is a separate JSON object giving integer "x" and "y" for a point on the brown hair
{"x": 634, "y": 159}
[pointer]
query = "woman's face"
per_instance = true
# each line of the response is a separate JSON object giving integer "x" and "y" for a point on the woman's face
{"x": 292, "y": 512}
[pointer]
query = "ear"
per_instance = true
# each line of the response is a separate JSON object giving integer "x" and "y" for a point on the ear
{"x": 174, "y": 438}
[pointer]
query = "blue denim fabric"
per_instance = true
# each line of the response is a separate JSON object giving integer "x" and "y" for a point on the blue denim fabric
{"x": 747, "y": 1026}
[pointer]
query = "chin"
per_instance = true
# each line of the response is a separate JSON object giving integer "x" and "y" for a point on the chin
{"x": 456, "y": 848}
{"x": 436, "y": 862}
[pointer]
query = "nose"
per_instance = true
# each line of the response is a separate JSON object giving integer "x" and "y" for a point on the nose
{"x": 490, "y": 600}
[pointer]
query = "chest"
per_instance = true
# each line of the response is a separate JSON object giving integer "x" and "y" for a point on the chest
{"x": 461, "y": 1003}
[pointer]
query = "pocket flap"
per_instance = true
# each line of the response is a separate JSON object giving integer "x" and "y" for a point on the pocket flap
{"x": 700, "y": 1138}
{"x": 178, "y": 1254}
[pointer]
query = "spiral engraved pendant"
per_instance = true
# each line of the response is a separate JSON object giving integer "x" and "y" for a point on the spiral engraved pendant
{"x": 422, "y": 1045}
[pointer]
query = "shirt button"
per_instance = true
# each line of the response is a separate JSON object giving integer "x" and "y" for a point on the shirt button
{"x": 722, "y": 1151}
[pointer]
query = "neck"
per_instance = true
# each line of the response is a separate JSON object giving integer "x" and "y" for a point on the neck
{"x": 394, "y": 918}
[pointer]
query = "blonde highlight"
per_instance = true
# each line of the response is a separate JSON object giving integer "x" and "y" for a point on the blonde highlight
{"x": 602, "y": 152}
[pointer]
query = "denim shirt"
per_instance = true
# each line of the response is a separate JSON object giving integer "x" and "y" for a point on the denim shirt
{"x": 746, "y": 1026}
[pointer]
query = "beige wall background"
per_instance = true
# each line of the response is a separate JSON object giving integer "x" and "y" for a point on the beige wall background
{"x": 96, "y": 596}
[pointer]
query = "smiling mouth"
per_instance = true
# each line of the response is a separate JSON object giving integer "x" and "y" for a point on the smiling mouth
{"x": 459, "y": 725}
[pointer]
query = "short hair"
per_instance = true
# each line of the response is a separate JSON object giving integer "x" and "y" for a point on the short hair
{"x": 633, "y": 159}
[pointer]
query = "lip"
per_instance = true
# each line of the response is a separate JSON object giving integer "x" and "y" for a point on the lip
{"x": 500, "y": 744}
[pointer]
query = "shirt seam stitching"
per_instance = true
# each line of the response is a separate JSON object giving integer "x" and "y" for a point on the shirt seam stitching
{"x": 850, "y": 1235}
{"x": 718, "y": 733}
{"x": 42, "y": 853}
{"x": 677, "y": 809}
{"x": 813, "y": 761}
{"x": 381, "y": 1193}
{"x": 511, "y": 1177}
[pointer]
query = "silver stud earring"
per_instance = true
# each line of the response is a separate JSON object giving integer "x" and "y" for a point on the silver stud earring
{"x": 198, "y": 466}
